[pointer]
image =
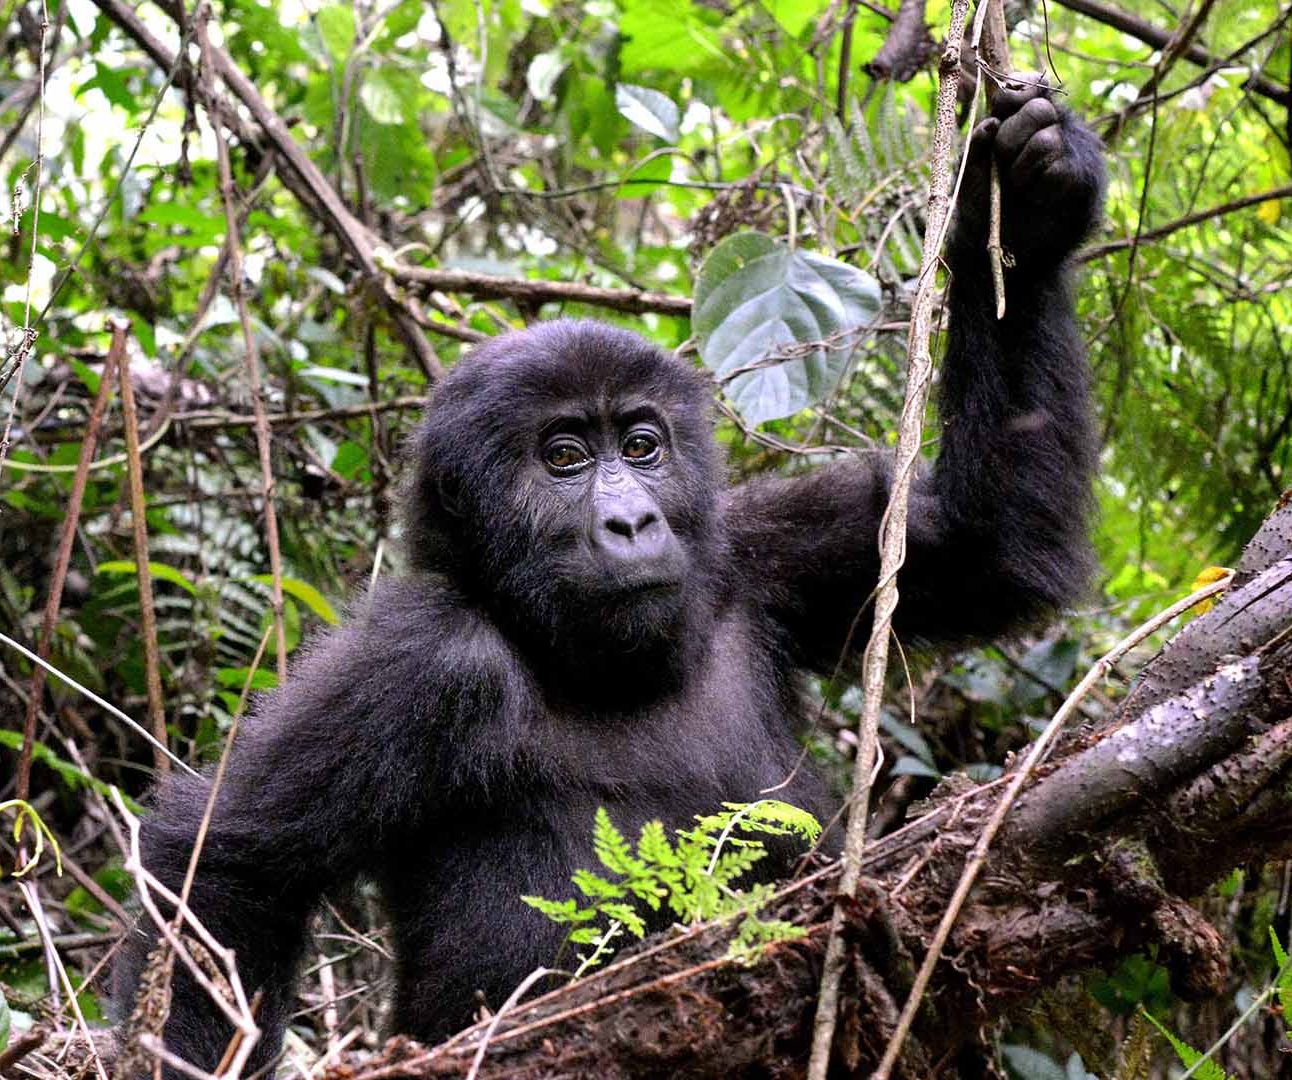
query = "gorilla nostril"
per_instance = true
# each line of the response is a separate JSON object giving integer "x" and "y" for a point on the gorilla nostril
{"x": 620, "y": 527}
{"x": 647, "y": 520}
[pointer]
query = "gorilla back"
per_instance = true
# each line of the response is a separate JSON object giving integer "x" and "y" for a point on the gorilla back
{"x": 594, "y": 619}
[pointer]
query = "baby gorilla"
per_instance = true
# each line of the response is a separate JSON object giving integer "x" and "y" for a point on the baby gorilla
{"x": 594, "y": 619}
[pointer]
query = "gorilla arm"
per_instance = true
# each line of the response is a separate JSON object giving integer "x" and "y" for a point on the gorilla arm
{"x": 320, "y": 781}
{"x": 997, "y": 530}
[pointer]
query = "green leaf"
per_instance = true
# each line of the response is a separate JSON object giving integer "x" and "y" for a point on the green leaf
{"x": 1208, "y": 1070}
{"x": 623, "y": 913}
{"x": 1280, "y": 957}
{"x": 649, "y": 110}
{"x": 595, "y": 887}
{"x": 84, "y": 372}
{"x": 388, "y": 96}
{"x": 793, "y": 15}
{"x": 667, "y": 35}
{"x": 610, "y": 846}
{"x": 6, "y": 1022}
{"x": 336, "y": 28}
{"x": 645, "y": 176}
{"x": 1052, "y": 663}
{"x": 777, "y": 326}
{"x": 349, "y": 459}
{"x": 782, "y": 814}
{"x": 306, "y": 594}
{"x": 112, "y": 83}
{"x": 1283, "y": 987}
{"x": 237, "y": 678}
{"x": 70, "y": 774}
{"x": 202, "y": 226}
{"x": 157, "y": 571}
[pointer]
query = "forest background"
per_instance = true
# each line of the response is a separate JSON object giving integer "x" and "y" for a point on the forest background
{"x": 416, "y": 176}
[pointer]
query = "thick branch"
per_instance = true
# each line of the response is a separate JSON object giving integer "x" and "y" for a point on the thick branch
{"x": 908, "y": 47}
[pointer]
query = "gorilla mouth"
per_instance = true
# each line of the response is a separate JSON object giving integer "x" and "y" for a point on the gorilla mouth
{"x": 641, "y": 589}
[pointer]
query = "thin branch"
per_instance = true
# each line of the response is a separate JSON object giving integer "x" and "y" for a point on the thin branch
{"x": 139, "y": 519}
{"x": 1198, "y": 216}
{"x": 251, "y": 353}
{"x": 63, "y": 559}
{"x": 129, "y": 721}
{"x": 27, "y": 333}
{"x": 206, "y": 420}
{"x": 1146, "y": 32}
{"x": 301, "y": 177}
{"x": 493, "y": 287}
{"x": 1171, "y": 52}
{"x": 893, "y": 532}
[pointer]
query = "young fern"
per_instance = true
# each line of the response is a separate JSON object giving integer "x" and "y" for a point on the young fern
{"x": 694, "y": 876}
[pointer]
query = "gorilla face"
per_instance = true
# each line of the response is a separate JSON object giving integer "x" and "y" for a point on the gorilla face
{"x": 567, "y": 477}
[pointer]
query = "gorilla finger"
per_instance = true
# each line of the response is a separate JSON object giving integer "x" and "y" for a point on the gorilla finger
{"x": 984, "y": 135}
{"x": 1016, "y": 132}
{"x": 1043, "y": 150}
{"x": 1017, "y": 91}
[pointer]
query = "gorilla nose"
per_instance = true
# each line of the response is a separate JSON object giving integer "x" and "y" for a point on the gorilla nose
{"x": 628, "y": 527}
{"x": 636, "y": 536}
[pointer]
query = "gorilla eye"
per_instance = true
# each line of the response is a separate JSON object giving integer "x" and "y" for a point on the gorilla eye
{"x": 641, "y": 446}
{"x": 565, "y": 456}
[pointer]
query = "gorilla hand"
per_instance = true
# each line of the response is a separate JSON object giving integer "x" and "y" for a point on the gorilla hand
{"x": 1051, "y": 178}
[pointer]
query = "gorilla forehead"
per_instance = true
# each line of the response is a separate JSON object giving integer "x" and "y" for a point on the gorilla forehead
{"x": 514, "y": 377}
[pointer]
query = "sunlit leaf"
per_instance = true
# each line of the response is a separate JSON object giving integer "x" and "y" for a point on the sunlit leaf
{"x": 306, "y": 594}
{"x": 649, "y": 109}
{"x": 777, "y": 326}
{"x": 157, "y": 571}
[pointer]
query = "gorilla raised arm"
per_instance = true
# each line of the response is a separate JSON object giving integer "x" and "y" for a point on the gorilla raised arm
{"x": 592, "y": 621}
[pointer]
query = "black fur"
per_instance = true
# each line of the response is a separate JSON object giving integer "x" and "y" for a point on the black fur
{"x": 454, "y": 739}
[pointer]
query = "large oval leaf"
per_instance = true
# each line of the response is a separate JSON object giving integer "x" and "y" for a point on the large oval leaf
{"x": 649, "y": 110}
{"x": 777, "y": 326}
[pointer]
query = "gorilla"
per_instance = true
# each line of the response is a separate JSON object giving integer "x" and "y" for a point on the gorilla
{"x": 592, "y": 618}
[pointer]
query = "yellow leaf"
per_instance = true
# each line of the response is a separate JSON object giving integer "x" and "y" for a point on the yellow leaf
{"x": 1206, "y": 577}
{"x": 1270, "y": 211}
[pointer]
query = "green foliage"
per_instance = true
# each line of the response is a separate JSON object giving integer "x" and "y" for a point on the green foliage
{"x": 73, "y": 776}
{"x": 618, "y": 144}
{"x": 1282, "y": 979}
{"x": 1200, "y": 1064}
{"x": 1205, "y": 1070}
{"x": 693, "y": 876}
{"x": 778, "y": 326}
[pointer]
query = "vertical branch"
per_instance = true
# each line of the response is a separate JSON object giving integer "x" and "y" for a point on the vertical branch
{"x": 991, "y": 52}
{"x": 892, "y": 541}
{"x": 845, "y": 62}
{"x": 63, "y": 557}
{"x": 251, "y": 352}
{"x": 138, "y": 510}
{"x": 12, "y": 365}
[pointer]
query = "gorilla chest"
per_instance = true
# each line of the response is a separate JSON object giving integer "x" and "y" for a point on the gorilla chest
{"x": 724, "y": 735}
